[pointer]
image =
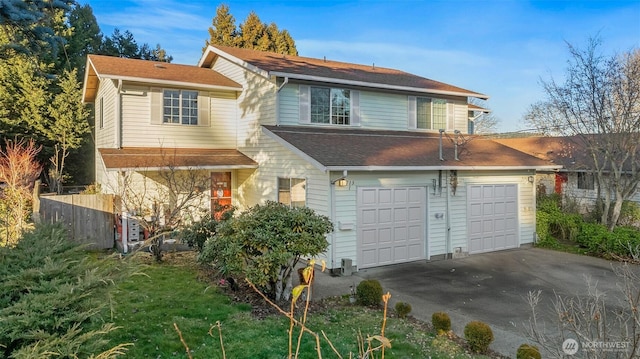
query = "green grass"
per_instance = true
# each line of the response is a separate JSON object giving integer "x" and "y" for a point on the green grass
{"x": 147, "y": 305}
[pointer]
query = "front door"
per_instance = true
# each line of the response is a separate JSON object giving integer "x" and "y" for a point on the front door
{"x": 220, "y": 192}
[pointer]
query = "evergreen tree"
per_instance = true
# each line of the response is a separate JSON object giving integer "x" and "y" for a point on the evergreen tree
{"x": 253, "y": 33}
{"x": 85, "y": 37}
{"x": 223, "y": 30}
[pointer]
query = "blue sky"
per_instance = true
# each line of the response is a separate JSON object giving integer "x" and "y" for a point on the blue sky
{"x": 497, "y": 47}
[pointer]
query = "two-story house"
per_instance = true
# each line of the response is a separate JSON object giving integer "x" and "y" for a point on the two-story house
{"x": 384, "y": 154}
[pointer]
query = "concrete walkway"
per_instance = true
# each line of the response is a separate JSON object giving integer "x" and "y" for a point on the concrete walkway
{"x": 489, "y": 287}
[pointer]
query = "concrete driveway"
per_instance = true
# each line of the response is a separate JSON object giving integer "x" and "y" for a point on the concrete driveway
{"x": 492, "y": 288}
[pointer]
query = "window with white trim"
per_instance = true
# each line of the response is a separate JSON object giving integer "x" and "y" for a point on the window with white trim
{"x": 292, "y": 192}
{"x": 101, "y": 112}
{"x": 330, "y": 105}
{"x": 431, "y": 114}
{"x": 586, "y": 180}
{"x": 180, "y": 107}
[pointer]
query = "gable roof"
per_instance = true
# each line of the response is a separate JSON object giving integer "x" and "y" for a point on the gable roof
{"x": 323, "y": 70}
{"x": 109, "y": 67}
{"x": 356, "y": 149}
{"x": 147, "y": 158}
{"x": 567, "y": 151}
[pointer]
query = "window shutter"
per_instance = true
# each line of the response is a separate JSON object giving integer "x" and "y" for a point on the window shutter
{"x": 204, "y": 109}
{"x": 451, "y": 116}
{"x": 355, "y": 108}
{"x": 305, "y": 103}
{"x": 156, "y": 105}
{"x": 413, "y": 116}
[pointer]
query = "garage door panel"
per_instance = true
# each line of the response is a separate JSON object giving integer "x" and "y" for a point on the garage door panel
{"x": 384, "y": 216}
{"x": 384, "y": 196}
{"x": 492, "y": 222}
{"x": 399, "y": 226}
{"x": 369, "y": 216}
{"x": 384, "y": 236}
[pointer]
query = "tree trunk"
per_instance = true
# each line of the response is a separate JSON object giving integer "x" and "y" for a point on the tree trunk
{"x": 615, "y": 213}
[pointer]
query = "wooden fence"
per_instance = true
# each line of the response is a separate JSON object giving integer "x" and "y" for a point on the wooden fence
{"x": 89, "y": 218}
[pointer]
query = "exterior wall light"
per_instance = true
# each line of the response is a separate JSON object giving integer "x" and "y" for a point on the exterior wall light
{"x": 530, "y": 179}
{"x": 342, "y": 182}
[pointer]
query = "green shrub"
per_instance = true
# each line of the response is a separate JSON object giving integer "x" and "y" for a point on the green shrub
{"x": 51, "y": 293}
{"x": 593, "y": 236}
{"x": 264, "y": 244}
{"x": 197, "y": 233}
{"x": 403, "y": 309}
{"x": 478, "y": 335}
{"x": 629, "y": 214}
{"x": 369, "y": 292}
{"x": 441, "y": 321}
{"x": 526, "y": 351}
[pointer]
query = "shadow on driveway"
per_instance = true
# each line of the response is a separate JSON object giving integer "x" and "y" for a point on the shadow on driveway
{"x": 493, "y": 287}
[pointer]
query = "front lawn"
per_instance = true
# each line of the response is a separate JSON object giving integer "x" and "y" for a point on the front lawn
{"x": 147, "y": 306}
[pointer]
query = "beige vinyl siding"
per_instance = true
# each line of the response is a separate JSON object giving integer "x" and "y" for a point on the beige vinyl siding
{"x": 139, "y": 131}
{"x": 383, "y": 111}
{"x": 256, "y": 104}
{"x": 461, "y": 117}
{"x": 289, "y": 106}
{"x": 105, "y": 136}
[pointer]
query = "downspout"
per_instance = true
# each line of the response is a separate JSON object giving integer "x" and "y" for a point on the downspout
{"x": 455, "y": 144}
{"x": 118, "y": 126}
{"x": 286, "y": 81}
{"x": 447, "y": 220}
{"x": 332, "y": 203}
{"x": 441, "y": 132}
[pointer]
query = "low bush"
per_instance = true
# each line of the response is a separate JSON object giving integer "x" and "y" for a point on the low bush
{"x": 197, "y": 234}
{"x": 478, "y": 335}
{"x": 623, "y": 241}
{"x": 629, "y": 214}
{"x": 403, "y": 309}
{"x": 51, "y": 292}
{"x": 526, "y": 351}
{"x": 441, "y": 322}
{"x": 369, "y": 292}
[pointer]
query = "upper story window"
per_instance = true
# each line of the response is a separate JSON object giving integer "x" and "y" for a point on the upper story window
{"x": 430, "y": 113}
{"x": 330, "y": 105}
{"x": 180, "y": 106}
{"x": 292, "y": 192}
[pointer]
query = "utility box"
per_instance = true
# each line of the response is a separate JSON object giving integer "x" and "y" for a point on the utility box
{"x": 346, "y": 267}
{"x": 134, "y": 229}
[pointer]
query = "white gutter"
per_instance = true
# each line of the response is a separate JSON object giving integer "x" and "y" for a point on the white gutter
{"x": 181, "y": 168}
{"x": 377, "y": 85}
{"x": 435, "y": 168}
{"x": 169, "y": 82}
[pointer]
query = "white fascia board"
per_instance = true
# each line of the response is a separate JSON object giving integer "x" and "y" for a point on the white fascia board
{"x": 182, "y": 168}
{"x": 295, "y": 150}
{"x": 377, "y": 85}
{"x": 436, "y": 168}
{"x": 233, "y": 59}
{"x": 170, "y": 83}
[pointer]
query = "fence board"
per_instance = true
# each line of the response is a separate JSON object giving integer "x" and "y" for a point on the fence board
{"x": 89, "y": 218}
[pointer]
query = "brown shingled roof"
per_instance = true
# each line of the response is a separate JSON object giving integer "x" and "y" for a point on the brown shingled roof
{"x": 336, "y": 148}
{"x": 568, "y": 151}
{"x": 157, "y": 158}
{"x": 365, "y": 74}
{"x": 99, "y": 66}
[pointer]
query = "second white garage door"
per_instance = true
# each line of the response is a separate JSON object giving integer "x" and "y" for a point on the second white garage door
{"x": 492, "y": 217}
{"x": 391, "y": 225}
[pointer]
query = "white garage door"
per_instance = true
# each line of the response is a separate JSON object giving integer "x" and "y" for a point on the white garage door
{"x": 492, "y": 217}
{"x": 391, "y": 225}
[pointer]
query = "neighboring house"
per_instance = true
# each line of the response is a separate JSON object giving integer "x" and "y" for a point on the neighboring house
{"x": 357, "y": 143}
{"x": 575, "y": 179}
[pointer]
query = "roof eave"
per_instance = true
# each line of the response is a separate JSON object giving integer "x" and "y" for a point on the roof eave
{"x": 88, "y": 68}
{"x": 376, "y": 85}
{"x": 171, "y": 83}
{"x": 206, "y": 61}
{"x": 182, "y": 168}
{"x": 436, "y": 168}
